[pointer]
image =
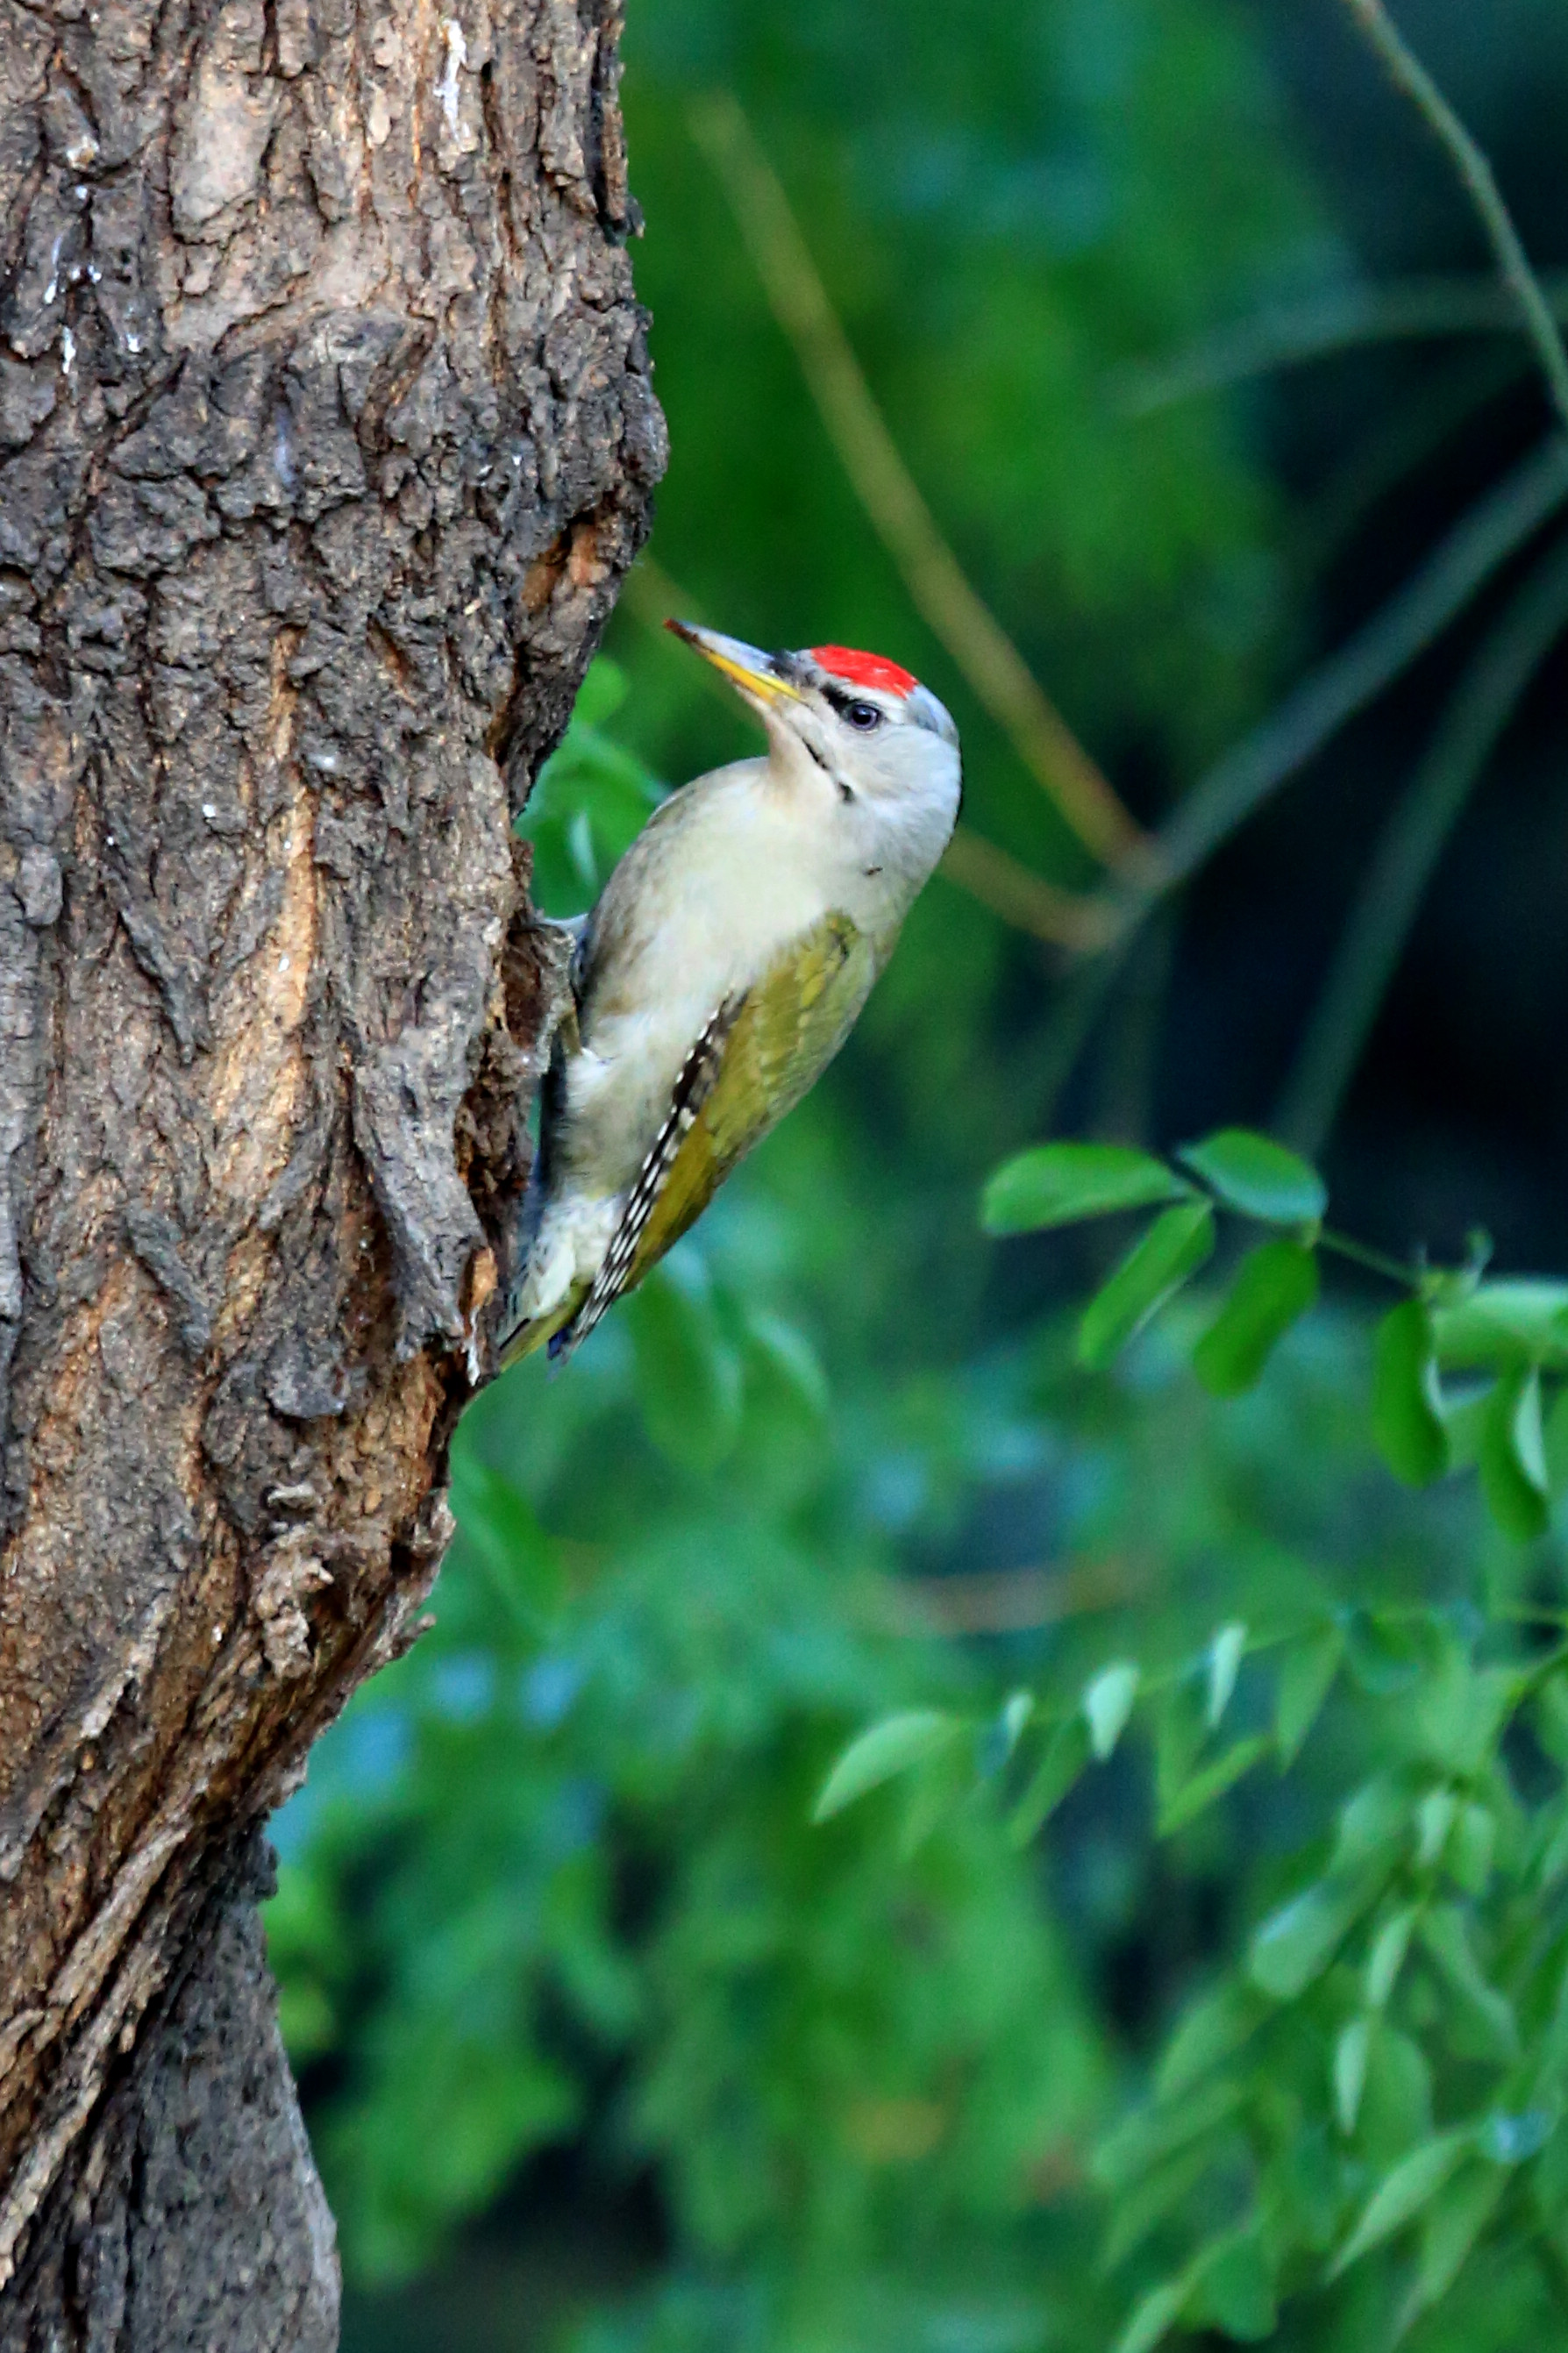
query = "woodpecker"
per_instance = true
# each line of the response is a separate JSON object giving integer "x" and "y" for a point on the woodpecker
{"x": 724, "y": 965}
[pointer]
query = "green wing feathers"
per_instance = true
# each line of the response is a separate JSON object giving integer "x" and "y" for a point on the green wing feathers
{"x": 787, "y": 1028}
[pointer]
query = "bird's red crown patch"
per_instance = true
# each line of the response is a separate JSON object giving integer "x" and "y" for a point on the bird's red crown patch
{"x": 863, "y": 670}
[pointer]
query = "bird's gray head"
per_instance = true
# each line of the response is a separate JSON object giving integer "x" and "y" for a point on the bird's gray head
{"x": 868, "y": 726}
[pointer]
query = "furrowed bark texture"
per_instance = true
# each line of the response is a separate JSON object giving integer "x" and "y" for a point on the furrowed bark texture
{"x": 326, "y": 433}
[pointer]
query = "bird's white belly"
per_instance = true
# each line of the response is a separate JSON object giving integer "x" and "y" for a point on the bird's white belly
{"x": 732, "y": 917}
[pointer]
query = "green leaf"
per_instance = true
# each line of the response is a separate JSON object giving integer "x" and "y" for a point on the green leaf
{"x": 688, "y": 1376}
{"x": 1387, "y": 1654}
{"x": 1171, "y": 1250}
{"x": 1406, "y": 1420}
{"x": 1386, "y": 1959}
{"x": 1235, "y": 2289}
{"x": 882, "y": 1751}
{"x": 1297, "y": 1943}
{"x": 1471, "y": 1847}
{"x": 1212, "y": 2029}
{"x": 1066, "y": 1755}
{"x": 1145, "y": 2204}
{"x": 1375, "y": 1825}
{"x": 1454, "y": 2220}
{"x": 523, "y": 1564}
{"x": 1461, "y": 1711}
{"x": 1513, "y": 1459}
{"x": 1485, "y": 2028}
{"x": 1153, "y": 2319}
{"x": 1351, "y": 2050}
{"x": 1500, "y": 1322}
{"x": 592, "y": 798}
{"x": 1411, "y": 2184}
{"x": 1227, "y": 2283}
{"x": 1017, "y": 1709}
{"x": 1151, "y": 2135}
{"x": 1465, "y": 1414}
{"x": 1259, "y": 1177}
{"x": 1306, "y": 1679}
{"x": 1435, "y": 1818}
{"x": 604, "y": 688}
{"x": 1226, "y": 1654}
{"x": 1107, "y": 1705}
{"x": 1213, "y": 1782}
{"x": 1397, "y": 2106}
{"x": 1058, "y": 1184}
{"x": 1277, "y": 1284}
{"x": 1554, "y": 1437}
{"x": 1181, "y": 1728}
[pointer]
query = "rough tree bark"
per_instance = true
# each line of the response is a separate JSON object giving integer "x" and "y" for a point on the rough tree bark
{"x": 326, "y": 433}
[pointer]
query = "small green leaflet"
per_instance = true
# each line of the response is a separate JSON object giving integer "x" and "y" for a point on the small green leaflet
{"x": 882, "y": 1751}
{"x": 1411, "y": 2184}
{"x": 1306, "y": 1677}
{"x": 1226, "y": 1654}
{"x": 1226, "y": 2282}
{"x": 1216, "y": 2025}
{"x": 1297, "y": 1943}
{"x": 1350, "y": 2070}
{"x": 1213, "y": 1782}
{"x": 1386, "y": 1958}
{"x": 1277, "y": 1284}
{"x": 1066, "y": 1753}
{"x": 1107, "y": 1703}
{"x": 1487, "y": 2029}
{"x": 1258, "y": 1178}
{"x": 1513, "y": 1457}
{"x": 1058, "y": 1184}
{"x": 1500, "y": 1322}
{"x": 1178, "y": 1242}
{"x": 1452, "y": 2224}
{"x": 1406, "y": 1421}
{"x": 1154, "y": 2317}
{"x": 688, "y": 1374}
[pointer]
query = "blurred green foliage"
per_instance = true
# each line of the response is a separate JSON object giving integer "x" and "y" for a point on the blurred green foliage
{"x": 1220, "y": 1889}
{"x": 1385, "y": 2058}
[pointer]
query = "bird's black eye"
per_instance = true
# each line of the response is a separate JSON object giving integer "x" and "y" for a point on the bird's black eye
{"x": 864, "y": 715}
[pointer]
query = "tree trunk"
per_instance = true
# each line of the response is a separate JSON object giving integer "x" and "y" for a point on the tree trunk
{"x": 326, "y": 434}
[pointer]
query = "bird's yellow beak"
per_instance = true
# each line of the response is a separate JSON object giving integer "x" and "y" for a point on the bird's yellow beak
{"x": 743, "y": 665}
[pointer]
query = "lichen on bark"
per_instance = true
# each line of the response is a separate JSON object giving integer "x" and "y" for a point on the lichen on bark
{"x": 326, "y": 434}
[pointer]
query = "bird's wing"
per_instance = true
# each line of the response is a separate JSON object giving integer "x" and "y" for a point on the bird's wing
{"x": 758, "y": 1053}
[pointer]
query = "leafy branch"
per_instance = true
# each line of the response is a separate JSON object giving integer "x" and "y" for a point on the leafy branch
{"x": 1399, "y": 2012}
{"x": 1468, "y": 1370}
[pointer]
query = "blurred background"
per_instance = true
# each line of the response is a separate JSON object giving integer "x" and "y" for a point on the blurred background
{"x": 1176, "y": 317}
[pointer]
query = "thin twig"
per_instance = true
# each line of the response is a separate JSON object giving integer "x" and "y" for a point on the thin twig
{"x": 1410, "y": 75}
{"x": 1250, "y": 774}
{"x": 1376, "y": 1262}
{"x": 1412, "y": 843}
{"x": 1025, "y": 899}
{"x": 1349, "y": 317}
{"x": 1009, "y": 1601}
{"x": 978, "y": 643}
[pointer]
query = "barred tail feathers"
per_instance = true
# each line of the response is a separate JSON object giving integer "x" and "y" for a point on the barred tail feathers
{"x": 568, "y": 1247}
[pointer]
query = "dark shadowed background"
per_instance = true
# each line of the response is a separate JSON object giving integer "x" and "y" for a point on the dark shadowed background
{"x": 602, "y": 2044}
